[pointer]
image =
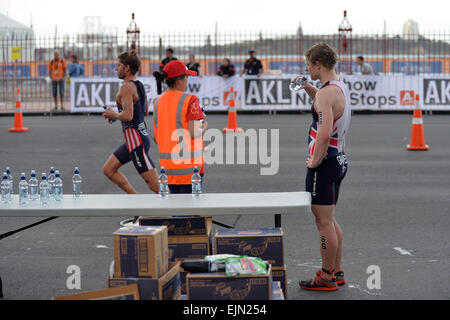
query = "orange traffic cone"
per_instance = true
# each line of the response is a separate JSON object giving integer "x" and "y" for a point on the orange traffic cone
{"x": 18, "y": 119}
{"x": 417, "y": 133}
{"x": 232, "y": 115}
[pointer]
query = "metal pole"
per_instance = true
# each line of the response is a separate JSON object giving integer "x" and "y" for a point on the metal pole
{"x": 215, "y": 49}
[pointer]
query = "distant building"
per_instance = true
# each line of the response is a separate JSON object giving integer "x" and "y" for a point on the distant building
{"x": 96, "y": 41}
{"x": 411, "y": 30}
{"x": 16, "y": 34}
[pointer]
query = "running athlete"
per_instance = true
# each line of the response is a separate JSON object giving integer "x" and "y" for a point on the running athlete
{"x": 326, "y": 162}
{"x": 133, "y": 107}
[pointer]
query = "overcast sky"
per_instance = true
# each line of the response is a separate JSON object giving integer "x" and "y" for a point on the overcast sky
{"x": 232, "y": 15}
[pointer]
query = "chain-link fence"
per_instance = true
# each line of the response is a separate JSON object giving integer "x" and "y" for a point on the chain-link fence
{"x": 279, "y": 52}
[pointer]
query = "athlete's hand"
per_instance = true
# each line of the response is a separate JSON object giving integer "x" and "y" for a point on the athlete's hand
{"x": 109, "y": 114}
{"x": 311, "y": 163}
{"x": 306, "y": 81}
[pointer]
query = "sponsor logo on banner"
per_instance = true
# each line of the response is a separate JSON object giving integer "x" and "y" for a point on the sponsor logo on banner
{"x": 227, "y": 96}
{"x": 95, "y": 93}
{"x": 407, "y": 98}
{"x": 436, "y": 91}
{"x": 270, "y": 91}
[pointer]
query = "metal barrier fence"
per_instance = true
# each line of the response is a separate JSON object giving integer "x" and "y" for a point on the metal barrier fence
{"x": 280, "y": 53}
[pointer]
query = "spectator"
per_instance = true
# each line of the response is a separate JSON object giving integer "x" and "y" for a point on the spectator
{"x": 75, "y": 69}
{"x": 194, "y": 65}
{"x": 226, "y": 70}
{"x": 366, "y": 68}
{"x": 253, "y": 66}
{"x": 57, "y": 71}
{"x": 169, "y": 57}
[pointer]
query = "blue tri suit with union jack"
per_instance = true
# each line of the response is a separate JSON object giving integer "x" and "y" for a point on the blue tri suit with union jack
{"x": 324, "y": 182}
{"x": 137, "y": 141}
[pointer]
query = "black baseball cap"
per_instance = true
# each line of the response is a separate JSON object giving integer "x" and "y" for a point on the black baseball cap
{"x": 251, "y": 50}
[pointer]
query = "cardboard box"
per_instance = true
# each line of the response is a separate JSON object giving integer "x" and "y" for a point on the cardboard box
{"x": 279, "y": 275}
{"x": 183, "y": 275}
{"x": 277, "y": 293}
{"x": 168, "y": 287}
{"x": 140, "y": 251}
{"x": 265, "y": 243}
{"x": 218, "y": 286}
{"x": 179, "y": 226}
{"x": 129, "y": 292}
{"x": 190, "y": 247}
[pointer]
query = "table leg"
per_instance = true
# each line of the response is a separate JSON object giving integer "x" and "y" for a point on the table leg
{"x": 278, "y": 221}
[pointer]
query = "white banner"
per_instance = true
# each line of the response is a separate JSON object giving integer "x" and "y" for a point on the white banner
{"x": 272, "y": 92}
{"x": 91, "y": 94}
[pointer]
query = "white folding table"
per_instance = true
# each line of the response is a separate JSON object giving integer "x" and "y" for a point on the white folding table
{"x": 207, "y": 204}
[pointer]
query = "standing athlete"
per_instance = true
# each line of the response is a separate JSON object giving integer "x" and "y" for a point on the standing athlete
{"x": 133, "y": 107}
{"x": 326, "y": 162}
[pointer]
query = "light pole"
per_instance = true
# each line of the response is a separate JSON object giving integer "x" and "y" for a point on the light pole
{"x": 345, "y": 43}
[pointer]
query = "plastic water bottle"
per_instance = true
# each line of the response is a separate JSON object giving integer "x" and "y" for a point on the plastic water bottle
{"x": 57, "y": 187}
{"x": 6, "y": 191}
{"x": 106, "y": 108}
{"x": 297, "y": 84}
{"x": 163, "y": 183}
{"x": 10, "y": 181}
{"x": 76, "y": 182}
{"x": 44, "y": 190}
{"x": 23, "y": 190}
{"x": 196, "y": 183}
{"x": 33, "y": 185}
{"x": 51, "y": 180}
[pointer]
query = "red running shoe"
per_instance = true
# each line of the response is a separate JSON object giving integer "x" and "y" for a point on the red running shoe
{"x": 319, "y": 284}
{"x": 339, "y": 276}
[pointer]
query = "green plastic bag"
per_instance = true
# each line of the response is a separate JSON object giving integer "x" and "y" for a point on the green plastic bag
{"x": 239, "y": 265}
{"x": 220, "y": 257}
{"x": 244, "y": 265}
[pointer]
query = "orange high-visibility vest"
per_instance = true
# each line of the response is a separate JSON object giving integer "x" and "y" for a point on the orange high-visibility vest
{"x": 178, "y": 153}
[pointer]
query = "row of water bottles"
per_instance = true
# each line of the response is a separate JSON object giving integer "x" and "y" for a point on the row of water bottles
{"x": 49, "y": 188}
{"x": 196, "y": 182}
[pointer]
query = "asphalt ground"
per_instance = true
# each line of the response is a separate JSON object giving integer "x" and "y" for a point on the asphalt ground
{"x": 394, "y": 206}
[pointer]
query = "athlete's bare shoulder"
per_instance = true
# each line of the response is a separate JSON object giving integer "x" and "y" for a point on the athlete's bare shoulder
{"x": 127, "y": 87}
{"x": 327, "y": 96}
{"x": 331, "y": 89}
{"x": 333, "y": 98}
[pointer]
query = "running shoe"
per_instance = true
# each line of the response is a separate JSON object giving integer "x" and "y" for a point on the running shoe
{"x": 339, "y": 276}
{"x": 319, "y": 284}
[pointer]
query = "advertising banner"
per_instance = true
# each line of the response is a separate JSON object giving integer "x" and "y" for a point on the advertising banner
{"x": 376, "y": 92}
{"x": 91, "y": 94}
{"x": 366, "y": 93}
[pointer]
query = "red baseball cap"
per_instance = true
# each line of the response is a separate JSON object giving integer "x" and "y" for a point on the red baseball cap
{"x": 176, "y": 68}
